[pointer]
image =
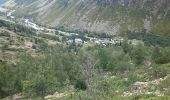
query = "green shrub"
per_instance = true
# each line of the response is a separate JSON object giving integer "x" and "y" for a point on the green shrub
{"x": 138, "y": 54}
{"x": 150, "y": 39}
{"x": 113, "y": 59}
{"x": 6, "y": 34}
{"x": 164, "y": 86}
{"x": 8, "y": 80}
{"x": 80, "y": 85}
{"x": 161, "y": 55}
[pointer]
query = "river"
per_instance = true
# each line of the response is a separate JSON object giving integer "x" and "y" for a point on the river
{"x": 33, "y": 25}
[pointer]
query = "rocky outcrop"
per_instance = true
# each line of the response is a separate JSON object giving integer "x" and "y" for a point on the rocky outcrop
{"x": 57, "y": 95}
{"x": 145, "y": 88}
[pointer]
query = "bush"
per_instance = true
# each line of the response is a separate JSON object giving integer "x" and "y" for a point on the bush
{"x": 50, "y": 72}
{"x": 8, "y": 80}
{"x": 80, "y": 85}
{"x": 161, "y": 55}
{"x": 165, "y": 85}
{"x": 113, "y": 59}
{"x": 6, "y": 34}
{"x": 138, "y": 54}
{"x": 151, "y": 39}
{"x": 159, "y": 73}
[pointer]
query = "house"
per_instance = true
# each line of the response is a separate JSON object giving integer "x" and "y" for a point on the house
{"x": 3, "y": 10}
{"x": 136, "y": 42}
{"x": 70, "y": 41}
{"x": 10, "y": 13}
{"x": 78, "y": 41}
{"x": 63, "y": 33}
{"x": 50, "y": 30}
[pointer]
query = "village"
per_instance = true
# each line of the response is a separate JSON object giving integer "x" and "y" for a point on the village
{"x": 70, "y": 37}
{"x": 73, "y": 37}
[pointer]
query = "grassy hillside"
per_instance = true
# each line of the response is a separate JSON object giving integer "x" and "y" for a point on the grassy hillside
{"x": 42, "y": 66}
{"x": 30, "y": 68}
{"x": 112, "y": 17}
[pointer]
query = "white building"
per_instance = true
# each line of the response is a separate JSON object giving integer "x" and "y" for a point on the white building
{"x": 3, "y": 10}
{"x": 64, "y": 33}
{"x": 70, "y": 41}
{"x": 10, "y": 13}
{"x": 78, "y": 41}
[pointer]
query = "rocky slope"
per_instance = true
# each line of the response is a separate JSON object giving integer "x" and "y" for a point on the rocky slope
{"x": 109, "y": 16}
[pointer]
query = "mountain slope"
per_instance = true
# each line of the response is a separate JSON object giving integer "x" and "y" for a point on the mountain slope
{"x": 109, "y": 16}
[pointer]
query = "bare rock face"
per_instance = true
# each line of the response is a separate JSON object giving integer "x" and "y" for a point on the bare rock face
{"x": 147, "y": 25}
{"x": 108, "y": 16}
